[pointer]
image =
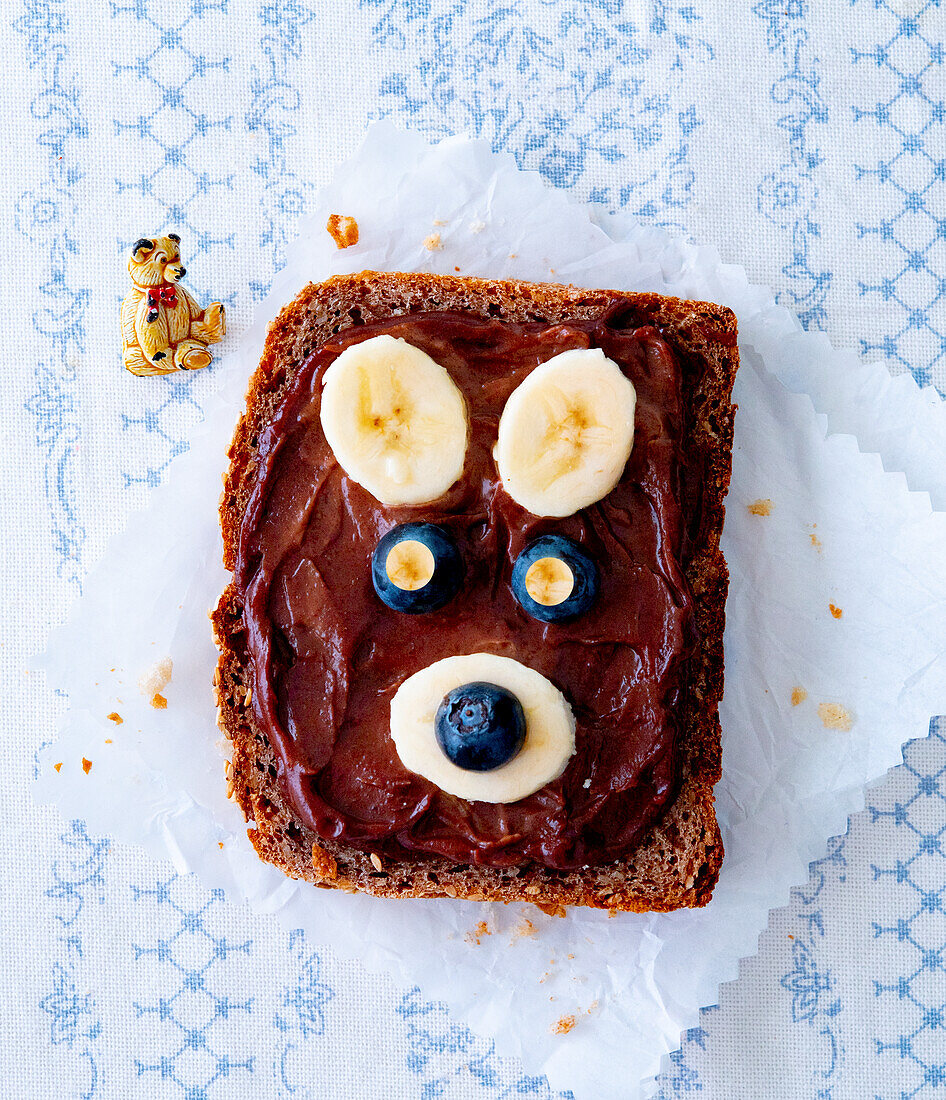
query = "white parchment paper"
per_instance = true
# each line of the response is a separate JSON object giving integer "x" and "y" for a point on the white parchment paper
{"x": 837, "y": 601}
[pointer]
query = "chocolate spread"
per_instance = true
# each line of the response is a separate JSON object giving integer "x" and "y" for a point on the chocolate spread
{"x": 327, "y": 655}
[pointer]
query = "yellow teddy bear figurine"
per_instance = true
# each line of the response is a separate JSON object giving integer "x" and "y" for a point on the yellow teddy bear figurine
{"x": 163, "y": 328}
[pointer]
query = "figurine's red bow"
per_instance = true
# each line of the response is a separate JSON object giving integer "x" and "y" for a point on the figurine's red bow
{"x": 166, "y": 295}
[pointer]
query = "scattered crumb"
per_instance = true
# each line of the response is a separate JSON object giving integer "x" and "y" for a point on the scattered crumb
{"x": 433, "y": 243}
{"x": 456, "y": 268}
{"x": 440, "y": 221}
{"x": 376, "y": 861}
{"x": 524, "y": 928}
{"x": 108, "y": 740}
{"x": 58, "y": 766}
{"x": 790, "y": 936}
{"x": 545, "y": 977}
{"x": 591, "y": 1008}
{"x": 342, "y": 229}
{"x": 220, "y": 844}
{"x": 816, "y": 542}
{"x": 159, "y": 702}
{"x": 835, "y": 611}
{"x": 157, "y": 678}
{"x": 323, "y": 864}
{"x": 760, "y": 507}
{"x": 115, "y": 717}
{"x": 513, "y": 256}
{"x": 569, "y": 956}
{"x": 86, "y": 765}
{"x": 799, "y": 695}
{"x": 587, "y": 783}
{"x": 835, "y": 717}
{"x": 564, "y": 1025}
{"x": 477, "y": 227}
{"x": 481, "y": 929}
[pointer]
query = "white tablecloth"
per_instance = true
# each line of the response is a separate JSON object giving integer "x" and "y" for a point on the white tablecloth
{"x": 805, "y": 141}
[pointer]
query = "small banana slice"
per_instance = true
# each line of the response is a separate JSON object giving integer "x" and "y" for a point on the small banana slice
{"x": 395, "y": 420}
{"x": 566, "y": 433}
{"x": 550, "y": 728}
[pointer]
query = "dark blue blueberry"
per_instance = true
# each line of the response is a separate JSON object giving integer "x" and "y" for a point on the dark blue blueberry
{"x": 480, "y": 726}
{"x": 574, "y": 595}
{"x": 439, "y": 574}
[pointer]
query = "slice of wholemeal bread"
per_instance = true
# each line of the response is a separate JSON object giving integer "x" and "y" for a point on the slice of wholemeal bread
{"x": 677, "y": 862}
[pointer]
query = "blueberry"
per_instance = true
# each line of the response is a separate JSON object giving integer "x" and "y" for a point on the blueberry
{"x": 416, "y": 567}
{"x": 480, "y": 726}
{"x": 554, "y": 579}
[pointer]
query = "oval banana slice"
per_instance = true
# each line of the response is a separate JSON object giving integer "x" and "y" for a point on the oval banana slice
{"x": 550, "y": 728}
{"x": 395, "y": 420}
{"x": 566, "y": 433}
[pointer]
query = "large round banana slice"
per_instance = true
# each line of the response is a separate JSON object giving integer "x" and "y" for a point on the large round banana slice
{"x": 395, "y": 420}
{"x": 550, "y": 728}
{"x": 566, "y": 433}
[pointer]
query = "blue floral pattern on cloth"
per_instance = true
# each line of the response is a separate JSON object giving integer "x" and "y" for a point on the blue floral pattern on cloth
{"x": 45, "y": 216}
{"x": 788, "y": 196}
{"x": 78, "y": 877}
{"x": 599, "y": 89}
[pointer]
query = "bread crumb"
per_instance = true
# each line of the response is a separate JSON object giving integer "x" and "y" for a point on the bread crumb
{"x": 591, "y": 1008}
{"x": 58, "y": 766}
{"x": 342, "y": 229}
{"x": 477, "y": 227}
{"x": 569, "y": 955}
{"x": 433, "y": 243}
{"x": 86, "y": 765}
{"x": 376, "y": 861}
{"x": 220, "y": 844}
{"x": 323, "y": 864}
{"x": 799, "y": 695}
{"x": 836, "y": 612}
{"x": 551, "y": 908}
{"x": 524, "y": 928}
{"x": 564, "y": 1025}
{"x": 481, "y": 929}
{"x": 108, "y": 740}
{"x": 456, "y": 268}
{"x": 760, "y": 507}
{"x": 835, "y": 717}
{"x": 440, "y": 221}
{"x": 115, "y": 717}
{"x": 159, "y": 702}
{"x": 157, "y": 678}
{"x": 816, "y": 542}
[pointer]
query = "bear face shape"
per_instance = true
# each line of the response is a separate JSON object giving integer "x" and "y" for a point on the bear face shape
{"x": 329, "y": 656}
{"x": 156, "y": 260}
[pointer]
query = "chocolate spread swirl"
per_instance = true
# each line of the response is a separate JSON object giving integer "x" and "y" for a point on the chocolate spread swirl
{"x": 327, "y": 656}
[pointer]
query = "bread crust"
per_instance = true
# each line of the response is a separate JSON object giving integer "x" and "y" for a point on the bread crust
{"x": 677, "y": 863}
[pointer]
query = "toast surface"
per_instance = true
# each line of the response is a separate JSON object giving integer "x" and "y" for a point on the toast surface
{"x": 677, "y": 863}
